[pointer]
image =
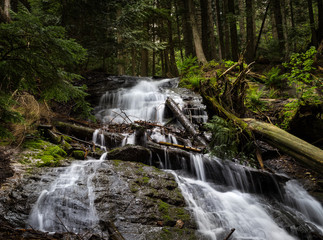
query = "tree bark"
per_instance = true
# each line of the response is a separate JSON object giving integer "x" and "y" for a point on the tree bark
{"x": 5, "y": 12}
{"x": 144, "y": 62}
{"x": 172, "y": 62}
{"x": 208, "y": 39}
{"x": 292, "y": 19}
{"x": 187, "y": 30}
{"x": 184, "y": 121}
{"x": 219, "y": 28}
{"x": 226, "y": 30}
{"x": 242, "y": 25}
{"x": 285, "y": 27}
{"x": 196, "y": 37}
{"x": 261, "y": 28}
{"x": 320, "y": 20}
{"x": 233, "y": 31}
{"x": 312, "y": 23}
{"x": 279, "y": 24}
{"x": 306, "y": 153}
{"x": 250, "y": 33}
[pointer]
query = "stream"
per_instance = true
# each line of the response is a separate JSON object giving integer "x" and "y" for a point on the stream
{"x": 220, "y": 194}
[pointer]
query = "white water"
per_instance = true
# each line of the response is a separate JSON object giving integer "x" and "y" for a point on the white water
{"x": 217, "y": 212}
{"x": 305, "y": 205}
{"x": 216, "y": 208}
{"x": 145, "y": 101}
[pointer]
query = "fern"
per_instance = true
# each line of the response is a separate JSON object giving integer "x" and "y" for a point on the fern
{"x": 225, "y": 139}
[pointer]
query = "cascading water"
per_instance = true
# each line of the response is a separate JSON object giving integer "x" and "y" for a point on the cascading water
{"x": 145, "y": 101}
{"x": 68, "y": 204}
{"x": 221, "y": 195}
{"x": 222, "y": 204}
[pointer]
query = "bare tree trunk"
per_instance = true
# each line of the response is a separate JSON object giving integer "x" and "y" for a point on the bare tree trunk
{"x": 233, "y": 31}
{"x": 5, "y": 12}
{"x": 261, "y": 28}
{"x": 250, "y": 31}
{"x": 227, "y": 51}
{"x": 196, "y": 37}
{"x": 242, "y": 17}
{"x": 187, "y": 30}
{"x": 320, "y": 20}
{"x": 172, "y": 61}
{"x": 312, "y": 22}
{"x": 279, "y": 24}
{"x": 178, "y": 30}
{"x": 285, "y": 27}
{"x": 219, "y": 29}
{"x": 293, "y": 20}
{"x": 208, "y": 39}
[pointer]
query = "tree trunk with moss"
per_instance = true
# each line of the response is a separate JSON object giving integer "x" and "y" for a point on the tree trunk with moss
{"x": 301, "y": 150}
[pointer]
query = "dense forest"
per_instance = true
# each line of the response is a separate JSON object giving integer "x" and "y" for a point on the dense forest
{"x": 46, "y": 47}
{"x": 98, "y": 98}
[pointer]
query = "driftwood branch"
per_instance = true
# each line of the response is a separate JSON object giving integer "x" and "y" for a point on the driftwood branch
{"x": 184, "y": 121}
{"x": 181, "y": 146}
{"x": 232, "y": 231}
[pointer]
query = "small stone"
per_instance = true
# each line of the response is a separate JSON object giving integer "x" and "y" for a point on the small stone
{"x": 179, "y": 224}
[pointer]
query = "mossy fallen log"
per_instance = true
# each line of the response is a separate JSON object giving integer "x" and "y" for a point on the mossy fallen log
{"x": 301, "y": 150}
{"x": 86, "y": 133}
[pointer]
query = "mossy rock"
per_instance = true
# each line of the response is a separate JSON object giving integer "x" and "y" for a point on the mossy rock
{"x": 78, "y": 154}
{"x": 67, "y": 138}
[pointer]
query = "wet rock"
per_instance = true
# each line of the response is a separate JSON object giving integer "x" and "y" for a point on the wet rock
{"x": 133, "y": 153}
{"x": 142, "y": 201}
{"x": 5, "y": 169}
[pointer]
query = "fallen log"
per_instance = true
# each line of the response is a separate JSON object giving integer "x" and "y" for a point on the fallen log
{"x": 302, "y": 151}
{"x": 306, "y": 153}
{"x": 184, "y": 121}
{"x": 86, "y": 133}
{"x": 181, "y": 146}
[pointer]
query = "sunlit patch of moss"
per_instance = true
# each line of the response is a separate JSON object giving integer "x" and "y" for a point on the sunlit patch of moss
{"x": 35, "y": 144}
{"x": 67, "y": 139}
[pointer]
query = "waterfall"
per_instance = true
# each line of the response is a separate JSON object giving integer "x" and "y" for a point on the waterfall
{"x": 221, "y": 196}
{"x": 59, "y": 208}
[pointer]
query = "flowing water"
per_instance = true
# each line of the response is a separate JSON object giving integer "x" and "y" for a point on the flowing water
{"x": 220, "y": 195}
{"x": 68, "y": 205}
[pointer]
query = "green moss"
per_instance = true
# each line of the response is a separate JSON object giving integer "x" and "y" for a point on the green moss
{"x": 67, "y": 139}
{"x": 66, "y": 146}
{"x": 35, "y": 144}
{"x": 78, "y": 154}
{"x": 48, "y": 161}
{"x": 117, "y": 162}
{"x": 163, "y": 207}
{"x": 55, "y": 151}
